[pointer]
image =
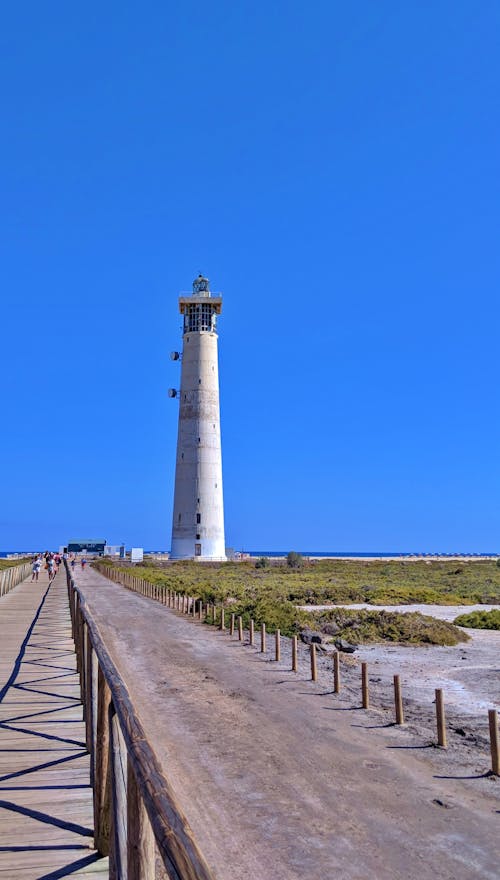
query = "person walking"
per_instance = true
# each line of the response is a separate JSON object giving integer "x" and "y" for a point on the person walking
{"x": 35, "y": 568}
{"x": 84, "y": 563}
{"x": 51, "y": 568}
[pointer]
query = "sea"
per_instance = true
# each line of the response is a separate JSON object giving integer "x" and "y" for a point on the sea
{"x": 313, "y": 553}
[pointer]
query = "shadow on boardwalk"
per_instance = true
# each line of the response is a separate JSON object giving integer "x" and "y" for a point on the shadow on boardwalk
{"x": 46, "y": 813}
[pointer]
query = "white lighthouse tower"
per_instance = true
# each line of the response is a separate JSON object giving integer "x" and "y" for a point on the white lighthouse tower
{"x": 198, "y": 519}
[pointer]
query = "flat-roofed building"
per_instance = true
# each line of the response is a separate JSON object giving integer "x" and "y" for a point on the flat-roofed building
{"x": 90, "y": 545}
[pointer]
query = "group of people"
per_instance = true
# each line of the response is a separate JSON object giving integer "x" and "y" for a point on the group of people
{"x": 49, "y": 561}
{"x": 83, "y": 562}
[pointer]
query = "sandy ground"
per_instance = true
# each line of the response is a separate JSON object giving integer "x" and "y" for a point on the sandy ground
{"x": 468, "y": 673}
{"x": 282, "y": 779}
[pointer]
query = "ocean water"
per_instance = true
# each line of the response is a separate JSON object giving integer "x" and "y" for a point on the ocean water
{"x": 314, "y": 553}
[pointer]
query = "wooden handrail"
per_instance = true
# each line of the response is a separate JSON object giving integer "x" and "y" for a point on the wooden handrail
{"x": 135, "y": 807}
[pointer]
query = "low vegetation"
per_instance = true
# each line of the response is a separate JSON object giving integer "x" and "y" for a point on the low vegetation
{"x": 321, "y": 582}
{"x": 364, "y": 626}
{"x": 480, "y": 619}
{"x": 11, "y": 563}
{"x": 270, "y": 592}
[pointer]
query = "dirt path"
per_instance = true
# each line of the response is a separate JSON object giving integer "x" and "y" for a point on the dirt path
{"x": 278, "y": 777}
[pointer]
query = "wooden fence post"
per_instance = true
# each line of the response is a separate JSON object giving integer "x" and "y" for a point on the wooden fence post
{"x": 440, "y": 718}
{"x": 240, "y": 629}
{"x": 251, "y": 632}
{"x": 231, "y": 625}
{"x": 364, "y": 686}
{"x": 140, "y": 838}
{"x": 277, "y": 642}
{"x": 102, "y": 794}
{"x": 263, "y": 638}
{"x": 494, "y": 746}
{"x": 222, "y": 619}
{"x": 398, "y": 700}
{"x": 88, "y": 696}
{"x": 336, "y": 673}
{"x": 118, "y": 854}
{"x": 314, "y": 662}
{"x": 295, "y": 664}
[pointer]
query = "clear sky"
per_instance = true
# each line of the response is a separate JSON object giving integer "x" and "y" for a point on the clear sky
{"x": 334, "y": 169}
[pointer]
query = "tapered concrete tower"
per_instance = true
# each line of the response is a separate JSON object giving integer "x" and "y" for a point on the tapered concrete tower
{"x": 198, "y": 521}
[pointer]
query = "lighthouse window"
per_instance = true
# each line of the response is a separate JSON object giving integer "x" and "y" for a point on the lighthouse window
{"x": 199, "y": 316}
{"x": 199, "y": 381}
{"x": 198, "y": 517}
{"x": 198, "y": 537}
{"x": 179, "y": 518}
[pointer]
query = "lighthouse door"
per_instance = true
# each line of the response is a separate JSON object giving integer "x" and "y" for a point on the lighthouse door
{"x": 197, "y": 549}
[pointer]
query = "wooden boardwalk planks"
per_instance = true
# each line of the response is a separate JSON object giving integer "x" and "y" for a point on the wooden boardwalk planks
{"x": 46, "y": 813}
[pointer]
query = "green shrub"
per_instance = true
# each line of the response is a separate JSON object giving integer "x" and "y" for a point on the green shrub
{"x": 480, "y": 619}
{"x": 412, "y": 628}
{"x": 294, "y": 559}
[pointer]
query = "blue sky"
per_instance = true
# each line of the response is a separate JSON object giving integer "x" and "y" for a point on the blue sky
{"x": 334, "y": 169}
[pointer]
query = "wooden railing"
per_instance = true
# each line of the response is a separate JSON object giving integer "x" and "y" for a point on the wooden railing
{"x": 135, "y": 810}
{"x": 11, "y": 577}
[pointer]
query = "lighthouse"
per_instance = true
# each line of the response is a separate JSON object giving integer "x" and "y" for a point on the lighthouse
{"x": 198, "y": 517}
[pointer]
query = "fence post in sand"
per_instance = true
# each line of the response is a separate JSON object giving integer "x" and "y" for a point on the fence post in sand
{"x": 398, "y": 701}
{"x": 294, "y": 654}
{"x": 314, "y": 663}
{"x": 336, "y": 673}
{"x": 263, "y": 638}
{"x": 231, "y": 626}
{"x": 200, "y": 609}
{"x": 277, "y": 653}
{"x": 364, "y": 686}
{"x": 441, "y": 723}
{"x": 222, "y": 619}
{"x": 494, "y": 746}
{"x": 240, "y": 629}
{"x": 252, "y": 632}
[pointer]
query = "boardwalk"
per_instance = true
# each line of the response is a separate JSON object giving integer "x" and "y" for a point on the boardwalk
{"x": 46, "y": 815}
